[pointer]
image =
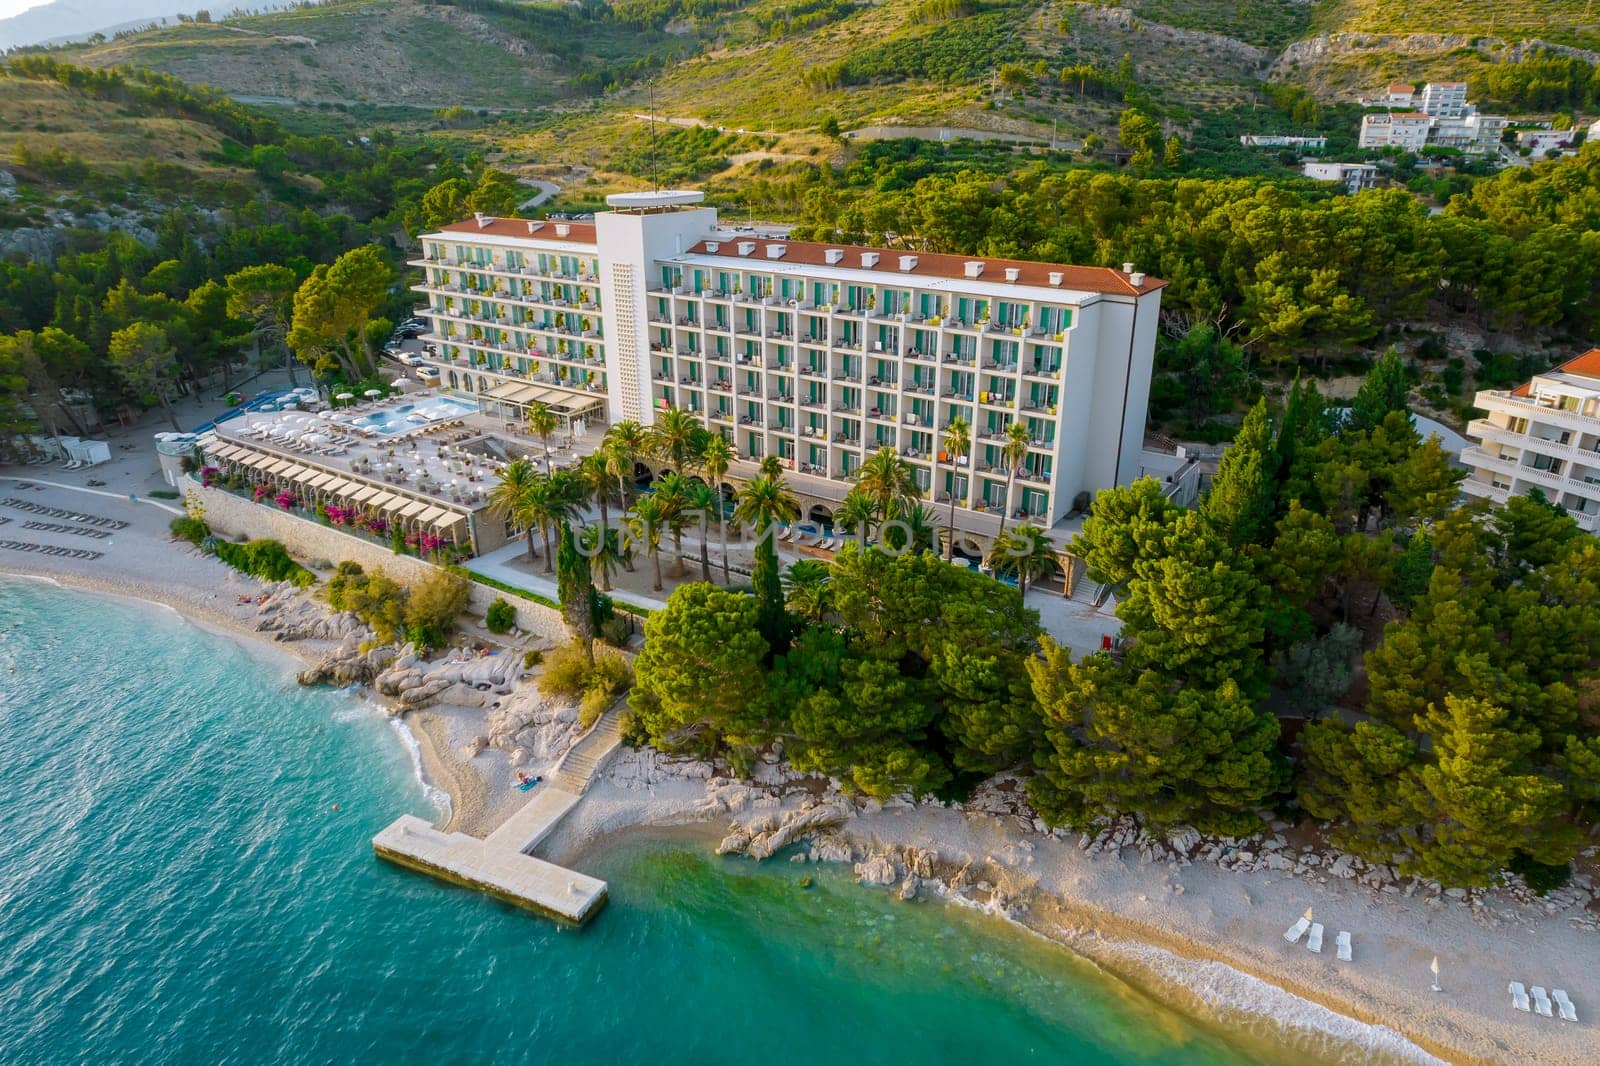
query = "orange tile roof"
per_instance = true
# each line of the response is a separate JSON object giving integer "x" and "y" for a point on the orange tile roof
{"x": 1401, "y": 87}
{"x": 935, "y": 265}
{"x": 1586, "y": 365}
{"x": 577, "y": 233}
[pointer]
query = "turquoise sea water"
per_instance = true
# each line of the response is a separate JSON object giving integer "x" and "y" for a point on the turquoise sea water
{"x": 175, "y": 886}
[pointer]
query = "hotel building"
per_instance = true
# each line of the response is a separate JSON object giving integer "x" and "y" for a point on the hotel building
{"x": 819, "y": 354}
{"x": 1544, "y": 435}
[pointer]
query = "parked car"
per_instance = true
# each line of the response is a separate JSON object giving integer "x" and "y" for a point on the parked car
{"x": 427, "y": 375}
{"x": 410, "y": 358}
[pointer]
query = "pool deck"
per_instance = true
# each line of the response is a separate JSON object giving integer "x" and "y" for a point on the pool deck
{"x": 499, "y": 864}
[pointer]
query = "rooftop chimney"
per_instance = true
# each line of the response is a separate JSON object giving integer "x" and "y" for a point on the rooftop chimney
{"x": 908, "y": 263}
{"x": 1013, "y": 273}
{"x": 562, "y": 229}
{"x": 746, "y": 247}
{"x": 833, "y": 255}
{"x": 775, "y": 251}
{"x": 535, "y": 225}
{"x": 869, "y": 259}
{"x": 712, "y": 246}
{"x": 1136, "y": 279}
{"x": 1127, "y": 268}
{"x": 1055, "y": 278}
{"x": 974, "y": 268}
{"x": 480, "y": 218}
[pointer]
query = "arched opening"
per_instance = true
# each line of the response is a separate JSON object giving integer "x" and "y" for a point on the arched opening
{"x": 821, "y": 515}
{"x": 453, "y": 383}
{"x": 643, "y": 476}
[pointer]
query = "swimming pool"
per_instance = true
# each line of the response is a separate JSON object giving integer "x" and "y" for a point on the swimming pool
{"x": 408, "y": 416}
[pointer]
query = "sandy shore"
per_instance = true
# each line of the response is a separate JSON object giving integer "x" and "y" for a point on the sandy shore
{"x": 1201, "y": 936}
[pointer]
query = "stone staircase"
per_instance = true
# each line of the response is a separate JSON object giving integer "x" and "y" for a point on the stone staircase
{"x": 578, "y": 767}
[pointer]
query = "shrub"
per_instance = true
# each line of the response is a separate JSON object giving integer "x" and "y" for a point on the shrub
{"x": 500, "y": 616}
{"x": 615, "y": 631}
{"x": 569, "y": 676}
{"x": 1540, "y": 877}
{"x": 434, "y": 606}
{"x": 266, "y": 559}
{"x": 192, "y": 530}
{"x": 531, "y": 658}
{"x": 375, "y": 598}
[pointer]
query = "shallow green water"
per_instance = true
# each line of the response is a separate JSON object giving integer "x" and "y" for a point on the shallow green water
{"x": 175, "y": 886}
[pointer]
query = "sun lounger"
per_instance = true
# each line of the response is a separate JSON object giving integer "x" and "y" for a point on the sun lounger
{"x": 1314, "y": 941}
{"x": 1519, "y": 995}
{"x": 1297, "y": 930}
{"x": 1541, "y": 1001}
{"x": 1343, "y": 941}
{"x": 1569, "y": 1013}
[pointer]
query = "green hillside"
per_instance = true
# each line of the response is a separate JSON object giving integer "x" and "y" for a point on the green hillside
{"x": 1573, "y": 22}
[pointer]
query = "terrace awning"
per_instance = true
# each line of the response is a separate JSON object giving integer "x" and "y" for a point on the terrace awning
{"x": 364, "y": 494}
{"x": 341, "y": 487}
{"x": 431, "y": 516}
{"x": 294, "y": 472}
{"x": 412, "y": 509}
{"x": 382, "y": 499}
{"x": 321, "y": 481}
{"x": 512, "y": 392}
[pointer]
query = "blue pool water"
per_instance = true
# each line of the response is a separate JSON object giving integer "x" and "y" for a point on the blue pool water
{"x": 409, "y": 416}
{"x": 176, "y": 887}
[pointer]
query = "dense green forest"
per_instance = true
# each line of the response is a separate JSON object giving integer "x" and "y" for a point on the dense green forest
{"x": 1467, "y": 744}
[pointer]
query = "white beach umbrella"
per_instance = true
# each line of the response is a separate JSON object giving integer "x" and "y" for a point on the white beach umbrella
{"x": 345, "y": 396}
{"x": 374, "y": 392}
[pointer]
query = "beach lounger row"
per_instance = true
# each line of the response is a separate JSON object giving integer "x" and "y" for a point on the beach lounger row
{"x": 57, "y": 512}
{"x": 49, "y": 549}
{"x": 1312, "y": 931}
{"x": 77, "y": 531}
{"x": 1541, "y": 1001}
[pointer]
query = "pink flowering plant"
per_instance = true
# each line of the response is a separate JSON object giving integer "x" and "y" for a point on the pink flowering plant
{"x": 285, "y": 499}
{"x": 257, "y": 492}
{"x": 208, "y": 475}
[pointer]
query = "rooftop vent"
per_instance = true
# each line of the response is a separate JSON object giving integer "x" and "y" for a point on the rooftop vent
{"x": 1127, "y": 268}
{"x": 534, "y": 225}
{"x": 869, "y": 259}
{"x": 562, "y": 229}
{"x": 481, "y": 219}
{"x": 908, "y": 263}
{"x": 974, "y": 268}
{"x": 1136, "y": 279}
{"x": 833, "y": 255}
{"x": 1013, "y": 273}
{"x": 775, "y": 251}
{"x": 712, "y": 246}
{"x": 1055, "y": 278}
{"x": 746, "y": 247}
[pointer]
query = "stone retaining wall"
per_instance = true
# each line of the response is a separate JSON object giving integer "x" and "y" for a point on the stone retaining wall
{"x": 232, "y": 516}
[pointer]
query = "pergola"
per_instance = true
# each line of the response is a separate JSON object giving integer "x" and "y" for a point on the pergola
{"x": 330, "y": 487}
{"x": 512, "y": 400}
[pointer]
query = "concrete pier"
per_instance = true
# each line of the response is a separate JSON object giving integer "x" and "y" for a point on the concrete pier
{"x": 499, "y": 864}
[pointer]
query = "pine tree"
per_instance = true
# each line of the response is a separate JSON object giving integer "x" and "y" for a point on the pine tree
{"x": 1383, "y": 390}
{"x": 1240, "y": 503}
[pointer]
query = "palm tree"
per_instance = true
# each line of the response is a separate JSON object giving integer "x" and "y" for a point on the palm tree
{"x": 919, "y": 519}
{"x": 885, "y": 478}
{"x": 716, "y": 458}
{"x": 623, "y": 444}
{"x": 701, "y": 501}
{"x": 595, "y": 474}
{"x": 673, "y": 490}
{"x": 645, "y": 523}
{"x": 1013, "y": 452}
{"x": 604, "y": 547}
{"x": 772, "y": 467}
{"x": 1026, "y": 551}
{"x": 805, "y": 585}
{"x": 508, "y": 498}
{"x": 551, "y": 500}
{"x": 855, "y": 515}
{"x": 763, "y": 501}
{"x": 542, "y": 423}
{"x": 678, "y": 437}
{"x": 957, "y": 442}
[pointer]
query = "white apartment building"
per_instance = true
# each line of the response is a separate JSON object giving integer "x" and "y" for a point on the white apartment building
{"x": 819, "y": 354}
{"x": 1543, "y": 435}
{"x": 1395, "y": 129}
{"x": 1354, "y": 176}
{"x": 1445, "y": 99}
{"x": 1400, "y": 94}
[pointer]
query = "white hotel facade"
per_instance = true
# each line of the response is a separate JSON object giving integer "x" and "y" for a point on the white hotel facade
{"x": 820, "y": 354}
{"x": 1543, "y": 435}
